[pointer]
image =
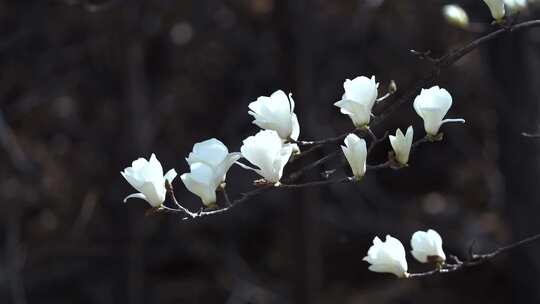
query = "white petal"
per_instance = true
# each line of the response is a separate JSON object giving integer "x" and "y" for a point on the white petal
{"x": 362, "y": 90}
{"x": 135, "y": 195}
{"x": 279, "y": 163}
{"x": 496, "y": 8}
{"x": 291, "y": 101}
{"x": 229, "y": 160}
{"x": 202, "y": 182}
{"x": 433, "y": 98}
{"x": 211, "y": 152}
{"x": 262, "y": 150}
{"x": 202, "y": 173}
{"x": 461, "y": 120}
{"x": 155, "y": 166}
{"x": 139, "y": 163}
{"x": 206, "y": 195}
{"x": 135, "y": 183}
{"x": 295, "y": 132}
{"x": 170, "y": 175}
{"x": 409, "y": 135}
{"x": 432, "y": 120}
{"x": 154, "y": 192}
{"x": 356, "y": 153}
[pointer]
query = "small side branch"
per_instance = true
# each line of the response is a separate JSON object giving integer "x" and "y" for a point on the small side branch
{"x": 530, "y": 135}
{"x": 456, "y": 264}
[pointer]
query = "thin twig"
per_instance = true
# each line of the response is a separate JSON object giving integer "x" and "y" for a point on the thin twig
{"x": 530, "y": 135}
{"x": 420, "y": 141}
{"x": 297, "y": 174}
{"x": 330, "y": 140}
{"x": 475, "y": 260}
{"x": 206, "y": 212}
{"x": 226, "y": 196}
{"x": 446, "y": 61}
{"x": 375, "y": 140}
{"x": 318, "y": 183}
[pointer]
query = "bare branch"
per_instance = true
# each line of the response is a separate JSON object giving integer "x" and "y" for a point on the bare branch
{"x": 530, "y": 135}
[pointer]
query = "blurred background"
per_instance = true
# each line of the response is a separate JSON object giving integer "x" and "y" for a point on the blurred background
{"x": 88, "y": 86}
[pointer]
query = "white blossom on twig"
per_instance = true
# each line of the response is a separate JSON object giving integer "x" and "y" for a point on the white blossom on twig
{"x": 355, "y": 151}
{"x": 402, "y": 144}
{"x": 387, "y": 257}
{"x": 496, "y": 7}
{"x": 456, "y": 15}
{"x": 276, "y": 112}
{"x": 268, "y": 153}
{"x": 208, "y": 162}
{"x": 432, "y": 105}
{"x": 427, "y": 246}
{"x": 146, "y": 176}
{"x": 358, "y": 100}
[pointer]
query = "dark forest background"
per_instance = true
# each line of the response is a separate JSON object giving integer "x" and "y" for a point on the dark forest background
{"x": 88, "y": 86}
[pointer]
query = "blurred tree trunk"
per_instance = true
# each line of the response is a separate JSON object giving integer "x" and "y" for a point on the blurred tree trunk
{"x": 298, "y": 47}
{"x": 516, "y": 61}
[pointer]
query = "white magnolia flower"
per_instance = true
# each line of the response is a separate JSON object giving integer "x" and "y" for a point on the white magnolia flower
{"x": 209, "y": 162}
{"x": 516, "y": 5}
{"x": 147, "y": 178}
{"x": 456, "y": 15}
{"x": 402, "y": 144}
{"x": 355, "y": 151}
{"x": 276, "y": 112}
{"x": 359, "y": 97}
{"x": 215, "y": 154}
{"x": 432, "y": 105}
{"x": 427, "y": 246}
{"x": 496, "y": 7}
{"x": 267, "y": 151}
{"x": 388, "y": 256}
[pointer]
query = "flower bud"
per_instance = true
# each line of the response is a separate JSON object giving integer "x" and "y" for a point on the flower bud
{"x": 402, "y": 145}
{"x": 427, "y": 246}
{"x": 496, "y": 7}
{"x": 355, "y": 151}
{"x": 387, "y": 257}
{"x": 456, "y": 15}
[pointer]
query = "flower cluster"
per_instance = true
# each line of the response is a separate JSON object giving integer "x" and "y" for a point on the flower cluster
{"x": 270, "y": 149}
{"x": 389, "y": 256}
{"x": 431, "y": 105}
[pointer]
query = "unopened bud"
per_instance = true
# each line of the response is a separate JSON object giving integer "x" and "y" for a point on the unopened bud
{"x": 456, "y": 15}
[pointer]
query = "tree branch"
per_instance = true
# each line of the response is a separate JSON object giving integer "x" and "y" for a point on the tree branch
{"x": 438, "y": 64}
{"x": 476, "y": 259}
